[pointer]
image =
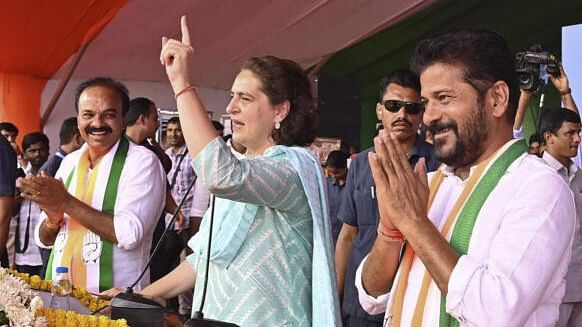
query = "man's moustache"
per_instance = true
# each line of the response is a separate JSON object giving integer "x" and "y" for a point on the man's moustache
{"x": 90, "y": 130}
{"x": 438, "y": 127}
{"x": 401, "y": 121}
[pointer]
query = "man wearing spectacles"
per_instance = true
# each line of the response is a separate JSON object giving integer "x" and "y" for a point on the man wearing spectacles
{"x": 400, "y": 110}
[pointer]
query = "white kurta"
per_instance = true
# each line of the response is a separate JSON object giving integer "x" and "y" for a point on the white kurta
{"x": 513, "y": 274}
{"x": 140, "y": 201}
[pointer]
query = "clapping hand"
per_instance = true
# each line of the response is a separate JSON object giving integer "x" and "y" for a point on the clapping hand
{"x": 49, "y": 193}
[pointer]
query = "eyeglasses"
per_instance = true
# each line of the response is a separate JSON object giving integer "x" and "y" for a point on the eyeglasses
{"x": 412, "y": 108}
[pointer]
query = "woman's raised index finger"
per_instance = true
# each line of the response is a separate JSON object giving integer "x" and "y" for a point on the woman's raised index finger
{"x": 185, "y": 31}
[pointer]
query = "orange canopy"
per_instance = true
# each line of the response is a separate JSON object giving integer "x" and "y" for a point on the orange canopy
{"x": 37, "y": 38}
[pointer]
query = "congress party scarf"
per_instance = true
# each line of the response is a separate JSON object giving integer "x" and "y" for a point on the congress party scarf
{"x": 465, "y": 211}
{"x": 88, "y": 257}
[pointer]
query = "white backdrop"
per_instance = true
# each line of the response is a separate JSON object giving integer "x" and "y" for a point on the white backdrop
{"x": 572, "y": 61}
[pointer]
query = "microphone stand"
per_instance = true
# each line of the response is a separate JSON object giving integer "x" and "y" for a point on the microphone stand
{"x": 166, "y": 230}
{"x": 198, "y": 319}
{"x": 135, "y": 308}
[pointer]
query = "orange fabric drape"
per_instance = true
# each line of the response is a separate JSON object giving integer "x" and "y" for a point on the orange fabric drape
{"x": 20, "y": 101}
{"x": 37, "y": 38}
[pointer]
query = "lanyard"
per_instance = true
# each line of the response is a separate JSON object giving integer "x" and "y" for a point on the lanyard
{"x": 178, "y": 169}
{"x": 26, "y": 235}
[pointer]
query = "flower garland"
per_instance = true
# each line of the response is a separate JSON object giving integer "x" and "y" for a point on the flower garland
{"x": 61, "y": 318}
{"x": 51, "y": 317}
{"x": 18, "y": 304}
{"x": 85, "y": 297}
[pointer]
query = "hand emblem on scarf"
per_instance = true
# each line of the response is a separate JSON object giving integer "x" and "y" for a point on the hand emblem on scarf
{"x": 91, "y": 248}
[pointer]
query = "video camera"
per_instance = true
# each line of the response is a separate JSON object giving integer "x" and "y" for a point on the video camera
{"x": 532, "y": 65}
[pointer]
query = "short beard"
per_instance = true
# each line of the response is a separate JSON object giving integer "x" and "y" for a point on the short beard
{"x": 467, "y": 147}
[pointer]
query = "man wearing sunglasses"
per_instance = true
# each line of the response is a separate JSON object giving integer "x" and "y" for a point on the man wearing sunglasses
{"x": 400, "y": 111}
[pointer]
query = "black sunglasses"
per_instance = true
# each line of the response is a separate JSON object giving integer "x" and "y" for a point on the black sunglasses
{"x": 412, "y": 108}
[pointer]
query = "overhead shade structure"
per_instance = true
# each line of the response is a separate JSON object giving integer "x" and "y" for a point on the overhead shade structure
{"x": 369, "y": 60}
{"x": 37, "y": 38}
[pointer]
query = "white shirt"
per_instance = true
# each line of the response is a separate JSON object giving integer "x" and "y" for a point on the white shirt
{"x": 513, "y": 274}
{"x": 139, "y": 203}
{"x": 573, "y": 177}
{"x": 31, "y": 256}
{"x": 568, "y": 173}
{"x": 28, "y": 210}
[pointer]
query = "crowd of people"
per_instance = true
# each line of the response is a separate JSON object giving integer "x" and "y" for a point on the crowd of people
{"x": 446, "y": 220}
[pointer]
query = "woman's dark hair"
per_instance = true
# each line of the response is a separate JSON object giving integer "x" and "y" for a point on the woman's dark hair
{"x": 284, "y": 80}
{"x": 483, "y": 55}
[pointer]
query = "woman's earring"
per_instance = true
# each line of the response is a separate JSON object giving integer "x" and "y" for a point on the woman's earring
{"x": 277, "y": 125}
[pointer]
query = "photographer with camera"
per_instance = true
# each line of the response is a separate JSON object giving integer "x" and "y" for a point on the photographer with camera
{"x": 561, "y": 84}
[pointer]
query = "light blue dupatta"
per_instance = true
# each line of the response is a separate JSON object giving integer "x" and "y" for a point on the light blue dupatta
{"x": 233, "y": 220}
{"x": 325, "y": 303}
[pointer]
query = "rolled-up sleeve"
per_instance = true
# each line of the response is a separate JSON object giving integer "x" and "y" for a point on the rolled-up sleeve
{"x": 530, "y": 248}
{"x": 140, "y": 200}
{"x": 372, "y": 305}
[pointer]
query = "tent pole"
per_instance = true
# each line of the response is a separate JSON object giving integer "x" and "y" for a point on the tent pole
{"x": 59, "y": 91}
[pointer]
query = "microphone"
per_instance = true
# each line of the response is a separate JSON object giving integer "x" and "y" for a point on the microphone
{"x": 198, "y": 319}
{"x": 134, "y": 307}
